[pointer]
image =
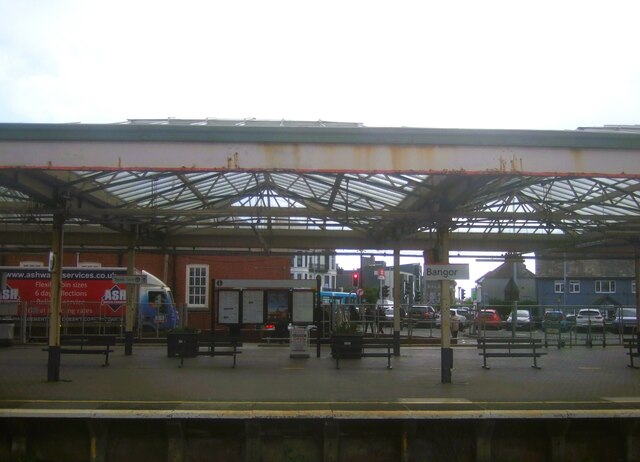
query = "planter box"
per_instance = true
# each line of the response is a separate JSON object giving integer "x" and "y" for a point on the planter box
{"x": 351, "y": 346}
{"x": 176, "y": 341}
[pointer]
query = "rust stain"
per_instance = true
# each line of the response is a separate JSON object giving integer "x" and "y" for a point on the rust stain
{"x": 516, "y": 164}
{"x": 577, "y": 157}
{"x": 233, "y": 161}
{"x": 502, "y": 168}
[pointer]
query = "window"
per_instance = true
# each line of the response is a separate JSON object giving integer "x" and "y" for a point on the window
{"x": 574, "y": 287}
{"x": 197, "y": 286}
{"x": 298, "y": 261}
{"x": 558, "y": 287}
{"x": 606, "y": 286}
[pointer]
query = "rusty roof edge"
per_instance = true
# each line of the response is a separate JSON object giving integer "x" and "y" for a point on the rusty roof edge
{"x": 319, "y": 135}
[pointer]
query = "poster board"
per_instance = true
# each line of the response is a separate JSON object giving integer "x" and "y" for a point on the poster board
{"x": 303, "y": 306}
{"x": 278, "y": 306}
{"x": 253, "y": 307}
{"x": 229, "y": 306}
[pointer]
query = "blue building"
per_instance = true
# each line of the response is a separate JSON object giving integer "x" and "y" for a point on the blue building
{"x": 580, "y": 283}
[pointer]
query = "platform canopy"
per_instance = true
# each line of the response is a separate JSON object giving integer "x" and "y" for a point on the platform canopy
{"x": 279, "y": 187}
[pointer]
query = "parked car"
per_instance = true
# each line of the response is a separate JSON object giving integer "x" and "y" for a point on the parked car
{"x": 389, "y": 313}
{"x": 488, "y": 319}
{"x": 624, "y": 321}
{"x": 523, "y": 320}
{"x": 463, "y": 311}
{"x": 454, "y": 316}
{"x": 589, "y": 318}
{"x": 421, "y": 315}
{"x": 555, "y": 319}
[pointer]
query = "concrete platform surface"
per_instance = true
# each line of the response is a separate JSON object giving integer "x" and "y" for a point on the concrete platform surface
{"x": 267, "y": 382}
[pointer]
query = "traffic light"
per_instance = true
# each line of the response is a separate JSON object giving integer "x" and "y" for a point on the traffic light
{"x": 462, "y": 294}
{"x": 385, "y": 291}
{"x": 355, "y": 280}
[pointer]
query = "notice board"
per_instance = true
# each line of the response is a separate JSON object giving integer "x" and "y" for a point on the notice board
{"x": 229, "y": 306}
{"x": 302, "y": 306}
{"x": 253, "y": 307}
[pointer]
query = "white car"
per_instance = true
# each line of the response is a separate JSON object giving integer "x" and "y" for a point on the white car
{"x": 589, "y": 317}
{"x": 454, "y": 316}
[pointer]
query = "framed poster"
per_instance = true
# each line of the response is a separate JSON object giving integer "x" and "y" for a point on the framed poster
{"x": 303, "y": 306}
{"x": 278, "y": 307}
{"x": 253, "y": 307}
{"x": 229, "y": 306}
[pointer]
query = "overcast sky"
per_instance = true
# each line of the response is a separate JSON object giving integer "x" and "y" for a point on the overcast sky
{"x": 459, "y": 64}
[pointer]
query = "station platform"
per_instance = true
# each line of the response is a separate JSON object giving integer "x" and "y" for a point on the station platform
{"x": 582, "y": 404}
{"x": 267, "y": 383}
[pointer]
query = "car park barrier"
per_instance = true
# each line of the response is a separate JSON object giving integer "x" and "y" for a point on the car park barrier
{"x": 344, "y": 347}
{"x": 554, "y": 331}
{"x": 633, "y": 344}
{"x": 87, "y": 345}
{"x": 516, "y": 347}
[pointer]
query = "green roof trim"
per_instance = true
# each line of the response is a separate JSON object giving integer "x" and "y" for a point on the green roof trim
{"x": 318, "y": 135}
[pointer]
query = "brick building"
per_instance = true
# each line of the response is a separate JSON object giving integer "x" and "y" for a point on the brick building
{"x": 188, "y": 275}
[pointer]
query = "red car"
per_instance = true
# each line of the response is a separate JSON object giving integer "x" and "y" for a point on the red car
{"x": 488, "y": 319}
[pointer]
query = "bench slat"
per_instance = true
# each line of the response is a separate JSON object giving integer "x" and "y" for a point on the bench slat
{"x": 87, "y": 345}
{"x": 338, "y": 344}
{"x": 512, "y": 355}
{"x": 211, "y": 346}
{"x": 494, "y": 347}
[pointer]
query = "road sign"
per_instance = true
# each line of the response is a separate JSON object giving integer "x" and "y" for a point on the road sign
{"x": 447, "y": 272}
{"x": 126, "y": 279}
{"x": 359, "y": 292}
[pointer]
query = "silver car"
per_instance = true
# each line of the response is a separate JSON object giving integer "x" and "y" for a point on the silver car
{"x": 625, "y": 320}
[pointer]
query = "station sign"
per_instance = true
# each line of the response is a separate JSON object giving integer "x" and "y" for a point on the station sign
{"x": 126, "y": 279}
{"x": 447, "y": 272}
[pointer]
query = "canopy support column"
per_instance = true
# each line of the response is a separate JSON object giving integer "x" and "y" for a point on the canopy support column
{"x": 132, "y": 297}
{"x": 637, "y": 278}
{"x": 397, "y": 302}
{"x": 442, "y": 257}
{"x": 55, "y": 266}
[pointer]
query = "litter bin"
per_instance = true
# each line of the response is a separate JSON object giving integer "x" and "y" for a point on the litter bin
{"x": 6, "y": 332}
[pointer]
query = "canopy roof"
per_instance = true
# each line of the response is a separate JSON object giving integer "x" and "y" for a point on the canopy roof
{"x": 282, "y": 186}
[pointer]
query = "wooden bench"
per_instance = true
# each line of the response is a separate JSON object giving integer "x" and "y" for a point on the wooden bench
{"x": 213, "y": 346}
{"x": 87, "y": 345}
{"x": 346, "y": 348}
{"x": 510, "y": 347}
{"x": 633, "y": 345}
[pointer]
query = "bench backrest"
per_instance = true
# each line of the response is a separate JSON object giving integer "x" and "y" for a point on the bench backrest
{"x": 89, "y": 340}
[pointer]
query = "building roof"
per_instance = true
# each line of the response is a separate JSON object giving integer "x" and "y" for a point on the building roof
{"x": 505, "y": 271}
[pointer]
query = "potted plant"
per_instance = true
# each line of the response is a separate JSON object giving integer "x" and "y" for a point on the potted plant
{"x": 182, "y": 338}
{"x": 349, "y": 336}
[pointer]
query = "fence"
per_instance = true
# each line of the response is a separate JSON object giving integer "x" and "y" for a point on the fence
{"x": 32, "y": 321}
